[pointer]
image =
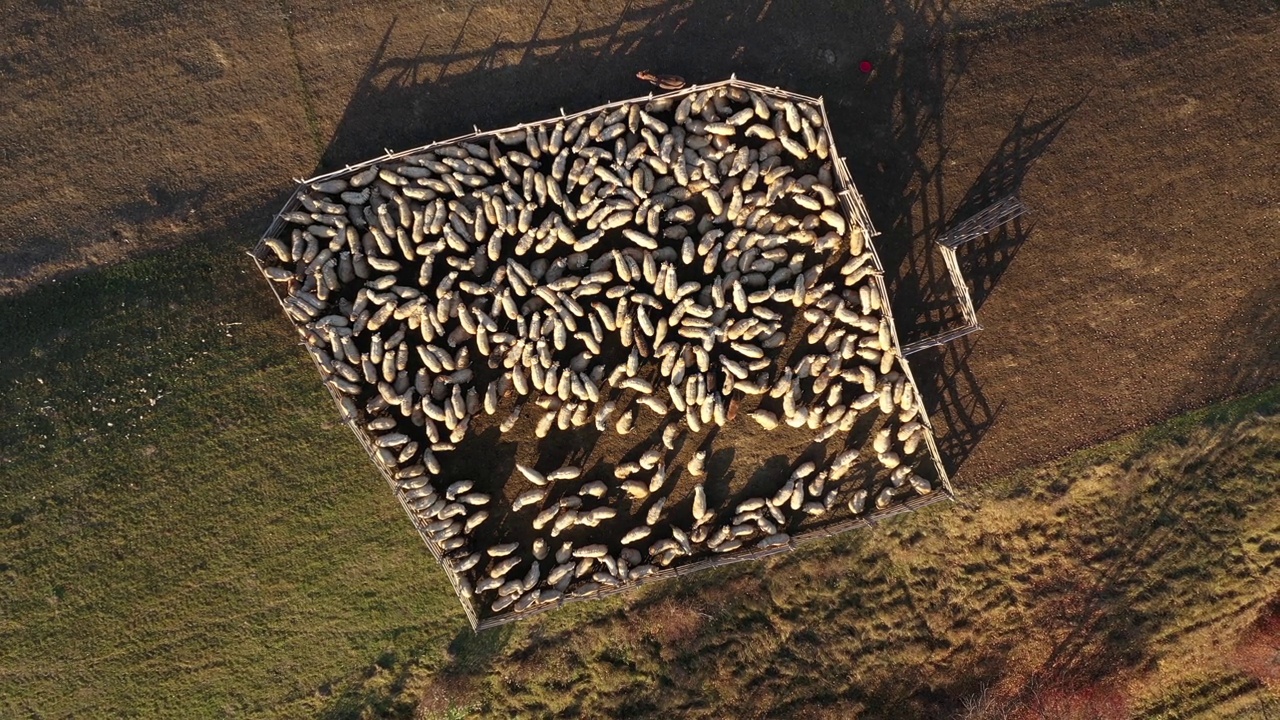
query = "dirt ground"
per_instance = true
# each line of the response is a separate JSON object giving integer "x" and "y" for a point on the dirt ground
{"x": 1141, "y": 135}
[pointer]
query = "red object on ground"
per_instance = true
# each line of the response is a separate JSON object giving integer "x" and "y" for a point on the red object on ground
{"x": 865, "y": 66}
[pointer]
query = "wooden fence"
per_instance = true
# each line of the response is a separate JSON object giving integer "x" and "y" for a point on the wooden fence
{"x": 854, "y": 209}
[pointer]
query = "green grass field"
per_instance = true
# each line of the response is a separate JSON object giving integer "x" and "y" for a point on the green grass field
{"x": 187, "y": 531}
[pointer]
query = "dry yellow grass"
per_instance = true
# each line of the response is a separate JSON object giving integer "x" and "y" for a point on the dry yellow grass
{"x": 1124, "y": 581}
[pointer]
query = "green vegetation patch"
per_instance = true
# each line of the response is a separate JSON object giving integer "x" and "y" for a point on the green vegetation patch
{"x": 182, "y": 530}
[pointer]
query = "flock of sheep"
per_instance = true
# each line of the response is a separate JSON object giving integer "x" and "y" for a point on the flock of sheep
{"x": 658, "y": 256}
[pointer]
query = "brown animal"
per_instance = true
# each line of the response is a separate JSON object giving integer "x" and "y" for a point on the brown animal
{"x": 666, "y": 82}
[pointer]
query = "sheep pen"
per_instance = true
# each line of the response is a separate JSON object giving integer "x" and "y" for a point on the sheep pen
{"x": 611, "y": 347}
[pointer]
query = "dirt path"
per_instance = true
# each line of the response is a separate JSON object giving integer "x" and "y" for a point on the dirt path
{"x": 1144, "y": 282}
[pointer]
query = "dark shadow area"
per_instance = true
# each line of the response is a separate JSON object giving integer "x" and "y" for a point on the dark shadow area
{"x": 903, "y": 183}
{"x": 1256, "y": 364}
{"x": 1013, "y": 160}
{"x": 923, "y": 295}
{"x": 478, "y": 457}
{"x": 181, "y": 218}
{"x": 380, "y": 689}
{"x": 487, "y": 462}
{"x": 566, "y": 447}
{"x": 943, "y": 372}
{"x": 164, "y": 203}
{"x": 985, "y": 259}
{"x": 763, "y": 482}
{"x": 361, "y": 701}
{"x": 163, "y": 281}
{"x": 373, "y": 694}
{"x": 962, "y": 412}
{"x": 719, "y": 476}
{"x": 899, "y": 164}
{"x": 924, "y": 300}
{"x": 472, "y": 652}
{"x": 402, "y": 102}
{"x": 1168, "y": 538}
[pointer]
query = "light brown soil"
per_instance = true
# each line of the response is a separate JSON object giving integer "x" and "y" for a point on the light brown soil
{"x": 1143, "y": 282}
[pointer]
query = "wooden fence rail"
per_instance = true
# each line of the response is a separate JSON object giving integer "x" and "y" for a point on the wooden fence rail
{"x": 853, "y": 206}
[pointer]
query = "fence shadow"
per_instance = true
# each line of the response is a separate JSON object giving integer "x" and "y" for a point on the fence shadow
{"x": 911, "y": 201}
{"x": 1013, "y": 159}
{"x": 924, "y": 298}
{"x": 900, "y": 168}
{"x": 965, "y": 410}
{"x": 961, "y": 407}
{"x": 985, "y": 259}
{"x": 407, "y": 100}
